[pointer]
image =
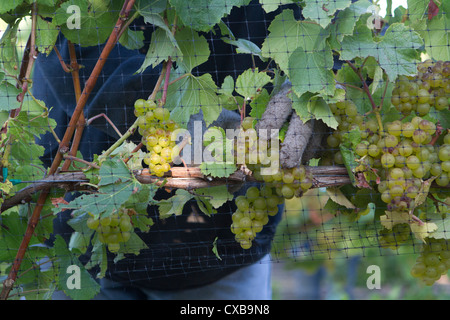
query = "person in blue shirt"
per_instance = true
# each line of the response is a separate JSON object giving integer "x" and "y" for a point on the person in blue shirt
{"x": 179, "y": 262}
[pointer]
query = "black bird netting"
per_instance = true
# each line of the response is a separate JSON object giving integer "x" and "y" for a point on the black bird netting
{"x": 173, "y": 149}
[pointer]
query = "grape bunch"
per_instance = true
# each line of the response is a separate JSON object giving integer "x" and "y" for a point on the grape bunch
{"x": 156, "y": 129}
{"x": 405, "y": 158}
{"x": 112, "y": 230}
{"x": 252, "y": 214}
{"x": 346, "y": 114}
{"x": 433, "y": 261}
{"x": 429, "y": 88}
{"x": 254, "y": 209}
{"x": 288, "y": 182}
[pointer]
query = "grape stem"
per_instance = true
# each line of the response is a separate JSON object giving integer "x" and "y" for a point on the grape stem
{"x": 89, "y": 121}
{"x": 166, "y": 82}
{"x": 90, "y": 164}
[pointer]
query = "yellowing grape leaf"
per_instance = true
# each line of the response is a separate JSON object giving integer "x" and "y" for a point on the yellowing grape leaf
{"x": 337, "y": 196}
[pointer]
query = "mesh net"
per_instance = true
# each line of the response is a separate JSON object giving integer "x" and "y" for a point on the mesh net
{"x": 160, "y": 146}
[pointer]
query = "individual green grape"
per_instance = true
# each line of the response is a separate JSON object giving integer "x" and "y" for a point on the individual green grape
{"x": 247, "y": 123}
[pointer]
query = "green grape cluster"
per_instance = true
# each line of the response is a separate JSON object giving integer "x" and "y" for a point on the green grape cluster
{"x": 405, "y": 157}
{"x": 288, "y": 182}
{"x": 156, "y": 129}
{"x": 112, "y": 230}
{"x": 393, "y": 238}
{"x": 346, "y": 114}
{"x": 433, "y": 261}
{"x": 252, "y": 214}
{"x": 430, "y": 88}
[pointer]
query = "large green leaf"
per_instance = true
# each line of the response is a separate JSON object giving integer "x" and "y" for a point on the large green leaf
{"x": 6, "y": 5}
{"x": 436, "y": 36}
{"x": 70, "y": 267}
{"x": 96, "y": 22}
{"x": 46, "y": 35}
{"x": 203, "y": 15}
{"x": 250, "y": 83}
{"x": 347, "y": 18}
{"x": 288, "y": 34}
{"x": 311, "y": 71}
{"x": 396, "y": 52}
{"x": 160, "y": 49}
{"x": 175, "y": 204}
{"x": 9, "y": 57}
{"x": 194, "y": 48}
{"x": 191, "y": 94}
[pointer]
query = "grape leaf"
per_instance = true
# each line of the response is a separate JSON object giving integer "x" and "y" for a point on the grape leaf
{"x": 423, "y": 230}
{"x": 113, "y": 171}
{"x": 12, "y": 229}
{"x": 132, "y": 39}
{"x": 214, "y": 249}
{"x": 175, "y": 204}
{"x": 287, "y": 34}
{"x": 245, "y": 46}
{"x": 8, "y": 49}
{"x": 216, "y": 195}
{"x": 322, "y": 11}
{"x": 191, "y": 94}
{"x": 96, "y": 23}
{"x": 312, "y": 71}
{"x": 337, "y": 196}
{"x": 202, "y": 15}
{"x": 46, "y": 35}
{"x": 133, "y": 246}
{"x": 126, "y": 151}
{"x": 218, "y": 170}
{"x": 106, "y": 201}
{"x": 8, "y": 96}
{"x": 442, "y": 224}
{"x": 194, "y": 48}
{"x": 272, "y": 5}
{"x": 90, "y": 288}
{"x": 436, "y": 37}
{"x": 392, "y": 218}
{"x": 417, "y": 9}
{"x": 142, "y": 222}
{"x": 396, "y": 52}
{"x": 160, "y": 49}
{"x": 347, "y": 18}
{"x": 146, "y": 7}
{"x": 250, "y": 83}
{"x": 80, "y": 239}
{"x": 259, "y": 104}
{"x": 316, "y": 107}
{"x": 6, "y": 5}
